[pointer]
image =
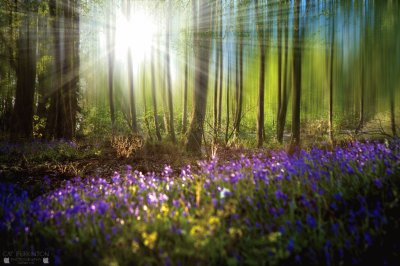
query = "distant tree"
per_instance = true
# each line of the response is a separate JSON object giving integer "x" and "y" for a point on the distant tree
{"x": 331, "y": 80}
{"x": 110, "y": 56}
{"x": 201, "y": 24}
{"x": 132, "y": 97}
{"x": 240, "y": 16}
{"x": 221, "y": 66}
{"x": 215, "y": 22}
{"x": 171, "y": 128}
{"x": 185, "y": 90}
{"x": 154, "y": 97}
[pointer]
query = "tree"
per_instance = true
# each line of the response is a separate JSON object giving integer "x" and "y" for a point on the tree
{"x": 185, "y": 90}
{"x": 239, "y": 67}
{"x": 26, "y": 77}
{"x": 169, "y": 83}
{"x": 217, "y": 51}
{"x": 63, "y": 103}
{"x": 282, "y": 110}
{"x": 201, "y": 24}
{"x": 261, "y": 40}
{"x": 295, "y": 140}
{"x": 154, "y": 97}
{"x": 331, "y": 81}
{"x": 110, "y": 56}
{"x": 133, "y": 123}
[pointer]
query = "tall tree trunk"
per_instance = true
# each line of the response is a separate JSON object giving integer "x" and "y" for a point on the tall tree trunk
{"x": 76, "y": 62}
{"x": 26, "y": 77}
{"x": 110, "y": 56}
{"x": 68, "y": 127}
{"x": 279, "y": 46}
{"x": 154, "y": 97}
{"x": 239, "y": 74}
{"x": 283, "y": 106}
{"x": 295, "y": 141}
{"x": 134, "y": 125}
{"x": 185, "y": 93}
{"x": 146, "y": 120}
{"x": 215, "y": 23}
{"x": 228, "y": 82}
{"x": 169, "y": 83}
{"x": 201, "y": 24}
{"x": 261, "y": 41}
{"x": 221, "y": 71}
{"x": 331, "y": 82}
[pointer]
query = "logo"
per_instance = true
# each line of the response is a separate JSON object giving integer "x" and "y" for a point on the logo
{"x": 6, "y": 260}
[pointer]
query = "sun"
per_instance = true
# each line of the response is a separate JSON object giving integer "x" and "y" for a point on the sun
{"x": 136, "y": 34}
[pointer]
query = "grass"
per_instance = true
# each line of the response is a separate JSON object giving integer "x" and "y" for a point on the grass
{"x": 317, "y": 207}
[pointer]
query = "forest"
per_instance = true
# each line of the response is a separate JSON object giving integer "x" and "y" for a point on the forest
{"x": 200, "y": 132}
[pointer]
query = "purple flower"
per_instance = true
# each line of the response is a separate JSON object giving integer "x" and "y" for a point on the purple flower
{"x": 311, "y": 222}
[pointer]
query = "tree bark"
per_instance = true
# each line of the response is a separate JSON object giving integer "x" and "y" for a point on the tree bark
{"x": 26, "y": 77}
{"x": 201, "y": 25}
{"x": 221, "y": 71}
{"x": 169, "y": 83}
{"x": 261, "y": 84}
{"x": 215, "y": 24}
{"x": 185, "y": 93}
{"x": 295, "y": 141}
{"x": 133, "y": 125}
{"x": 331, "y": 82}
{"x": 283, "y": 107}
{"x": 110, "y": 56}
{"x": 154, "y": 97}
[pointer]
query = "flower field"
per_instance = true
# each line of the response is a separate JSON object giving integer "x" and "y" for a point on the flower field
{"x": 328, "y": 207}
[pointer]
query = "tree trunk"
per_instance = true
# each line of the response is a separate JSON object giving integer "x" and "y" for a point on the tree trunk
{"x": 279, "y": 46}
{"x": 295, "y": 141}
{"x": 283, "y": 107}
{"x": 169, "y": 83}
{"x": 331, "y": 82}
{"x": 68, "y": 127}
{"x": 261, "y": 41}
{"x": 110, "y": 56}
{"x": 215, "y": 23}
{"x": 201, "y": 25}
{"x": 185, "y": 93}
{"x": 239, "y": 77}
{"x": 228, "y": 82}
{"x": 154, "y": 96}
{"x": 221, "y": 71}
{"x": 133, "y": 125}
{"x": 26, "y": 76}
{"x": 146, "y": 120}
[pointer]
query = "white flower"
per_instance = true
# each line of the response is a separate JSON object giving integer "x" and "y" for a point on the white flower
{"x": 224, "y": 192}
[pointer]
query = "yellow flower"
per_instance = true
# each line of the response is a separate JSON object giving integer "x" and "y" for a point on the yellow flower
{"x": 196, "y": 230}
{"x": 214, "y": 222}
{"x": 135, "y": 246}
{"x": 132, "y": 189}
{"x": 273, "y": 237}
{"x": 164, "y": 209}
{"x": 235, "y": 232}
{"x": 149, "y": 240}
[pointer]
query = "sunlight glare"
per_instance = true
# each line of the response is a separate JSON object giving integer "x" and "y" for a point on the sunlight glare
{"x": 137, "y": 34}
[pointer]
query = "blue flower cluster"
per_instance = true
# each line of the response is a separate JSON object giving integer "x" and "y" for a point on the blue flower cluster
{"x": 268, "y": 209}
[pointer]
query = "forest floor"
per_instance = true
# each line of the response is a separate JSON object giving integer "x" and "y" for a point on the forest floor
{"x": 27, "y": 164}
